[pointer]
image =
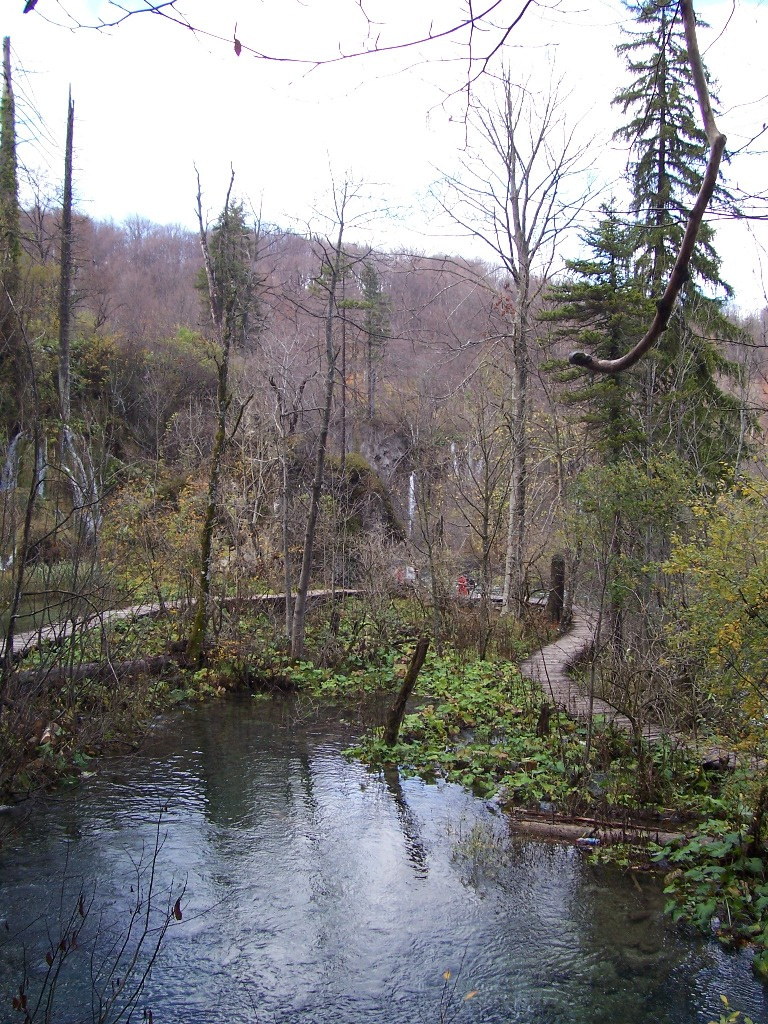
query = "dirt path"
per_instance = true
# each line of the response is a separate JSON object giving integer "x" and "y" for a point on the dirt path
{"x": 550, "y": 667}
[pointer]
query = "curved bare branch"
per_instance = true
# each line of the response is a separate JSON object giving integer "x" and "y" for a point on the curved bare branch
{"x": 168, "y": 9}
{"x": 680, "y": 272}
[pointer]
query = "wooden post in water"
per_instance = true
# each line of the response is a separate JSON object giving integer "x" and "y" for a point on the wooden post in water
{"x": 397, "y": 712}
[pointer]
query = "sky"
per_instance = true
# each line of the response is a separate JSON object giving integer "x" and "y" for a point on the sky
{"x": 156, "y": 102}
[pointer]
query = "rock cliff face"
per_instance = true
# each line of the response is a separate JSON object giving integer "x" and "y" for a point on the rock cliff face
{"x": 364, "y": 497}
{"x": 387, "y": 452}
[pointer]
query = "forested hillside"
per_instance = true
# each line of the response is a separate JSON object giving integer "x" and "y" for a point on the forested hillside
{"x": 199, "y": 416}
{"x": 211, "y": 431}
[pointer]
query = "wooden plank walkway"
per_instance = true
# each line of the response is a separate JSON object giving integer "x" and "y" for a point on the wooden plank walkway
{"x": 550, "y": 668}
{"x": 58, "y": 631}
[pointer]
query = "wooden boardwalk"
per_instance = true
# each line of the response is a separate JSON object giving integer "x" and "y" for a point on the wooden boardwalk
{"x": 550, "y": 668}
{"x": 56, "y": 632}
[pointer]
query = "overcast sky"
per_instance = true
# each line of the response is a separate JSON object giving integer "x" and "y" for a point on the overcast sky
{"x": 154, "y": 99}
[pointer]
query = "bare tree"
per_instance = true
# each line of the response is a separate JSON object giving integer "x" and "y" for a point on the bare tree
{"x": 482, "y": 481}
{"x": 431, "y": 483}
{"x": 288, "y": 394}
{"x": 518, "y": 194}
{"x": 65, "y": 279}
{"x": 334, "y": 264}
{"x": 227, "y": 275}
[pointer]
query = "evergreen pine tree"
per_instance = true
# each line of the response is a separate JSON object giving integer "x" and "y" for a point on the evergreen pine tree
{"x": 670, "y": 412}
{"x": 686, "y": 409}
{"x": 600, "y": 306}
{"x": 668, "y": 147}
{"x": 232, "y": 294}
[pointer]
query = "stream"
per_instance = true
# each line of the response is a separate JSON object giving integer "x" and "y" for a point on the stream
{"x": 314, "y": 891}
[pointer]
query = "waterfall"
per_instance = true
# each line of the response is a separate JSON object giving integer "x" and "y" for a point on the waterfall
{"x": 411, "y": 501}
{"x": 9, "y": 475}
{"x": 84, "y": 481}
{"x": 41, "y": 467}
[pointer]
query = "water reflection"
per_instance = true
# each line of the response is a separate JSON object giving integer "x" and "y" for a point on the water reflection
{"x": 414, "y": 844}
{"x": 317, "y": 892}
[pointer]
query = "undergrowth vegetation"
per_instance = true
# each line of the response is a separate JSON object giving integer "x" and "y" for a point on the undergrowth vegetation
{"x": 475, "y": 722}
{"x": 479, "y": 724}
{"x": 717, "y": 877}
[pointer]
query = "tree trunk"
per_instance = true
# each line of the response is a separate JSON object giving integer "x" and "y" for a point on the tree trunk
{"x": 12, "y": 356}
{"x": 300, "y": 606}
{"x": 756, "y": 826}
{"x": 65, "y": 279}
{"x": 66, "y": 460}
{"x": 287, "y": 575}
{"x": 397, "y": 711}
{"x": 14, "y": 346}
{"x": 202, "y": 611}
{"x": 515, "y": 584}
{"x": 556, "y": 598}
{"x": 286, "y": 416}
{"x": 56, "y": 678}
{"x": 20, "y": 562}
{"x": 370, "y": 376}
{"x": 343, "y": 383}
{"x": 199, "y": 628}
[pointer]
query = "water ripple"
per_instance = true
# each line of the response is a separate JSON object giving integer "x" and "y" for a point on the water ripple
{"x": 318, "y": 892}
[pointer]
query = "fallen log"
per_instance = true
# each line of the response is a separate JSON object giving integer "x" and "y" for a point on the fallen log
{"x": 59, "y": 676}
{"x": 606, "y": 832}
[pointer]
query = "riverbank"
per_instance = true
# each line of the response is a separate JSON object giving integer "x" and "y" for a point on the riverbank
{"x": 479, "y": 723}
{"x": 314, "y": 889}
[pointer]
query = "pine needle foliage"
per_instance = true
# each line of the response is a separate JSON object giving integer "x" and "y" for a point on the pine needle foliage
{"x": 687, "y": 406}
{"x": 601, "y": 306}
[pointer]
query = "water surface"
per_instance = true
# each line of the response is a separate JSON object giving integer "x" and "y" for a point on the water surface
{"x": 314, "y": 891}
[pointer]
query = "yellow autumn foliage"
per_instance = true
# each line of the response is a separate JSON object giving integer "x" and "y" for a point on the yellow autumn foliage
{"x": 720, "y": 635}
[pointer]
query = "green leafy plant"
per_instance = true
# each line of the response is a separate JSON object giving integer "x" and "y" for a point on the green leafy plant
{"x": 718, "y": 882}
{"x": 476, "y": 724}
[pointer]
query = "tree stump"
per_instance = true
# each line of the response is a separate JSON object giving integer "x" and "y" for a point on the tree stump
{"x": 556, "y": 597}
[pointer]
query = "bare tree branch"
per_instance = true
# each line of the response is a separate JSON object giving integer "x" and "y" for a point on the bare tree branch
{"x": 168, "y": 9}
{"x": 163, "y": 9}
